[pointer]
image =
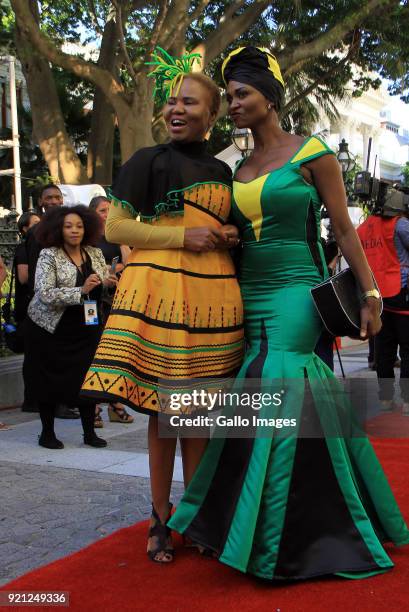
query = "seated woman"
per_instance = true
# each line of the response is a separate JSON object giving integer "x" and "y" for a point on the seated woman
{"x": 62, "y": 328}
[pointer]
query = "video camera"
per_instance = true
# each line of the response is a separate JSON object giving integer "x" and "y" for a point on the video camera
{"x": 383, "y": 199}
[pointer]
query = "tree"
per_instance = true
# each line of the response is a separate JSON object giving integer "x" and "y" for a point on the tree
{"x": 58, "y": 98}
{"x": 49, "y": 126}
{"x": 405, "y": 174}
{"x": 315, "y": 42}
{"x": 101, "y": 136}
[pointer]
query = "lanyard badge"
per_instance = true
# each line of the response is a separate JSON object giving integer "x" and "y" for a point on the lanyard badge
{"x": 90, "y": 312}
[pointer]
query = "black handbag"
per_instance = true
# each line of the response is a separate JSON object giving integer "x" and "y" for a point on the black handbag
{"x": 338, "y": 301}
{"x": 12, "y": 332}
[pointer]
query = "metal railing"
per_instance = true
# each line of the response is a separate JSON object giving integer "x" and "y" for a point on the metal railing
{"x": 14, "y": 143}
{"x": 9, "y": 235}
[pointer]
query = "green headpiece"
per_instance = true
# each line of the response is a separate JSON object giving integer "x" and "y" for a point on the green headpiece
{"x": 169, "y": 72}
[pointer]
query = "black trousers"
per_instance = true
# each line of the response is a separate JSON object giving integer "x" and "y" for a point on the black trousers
{"x": 394, "y": 334}
{"x": 28, "y": 401}
{"x": 371, "y": 352}
{"x": 87, "y": 412}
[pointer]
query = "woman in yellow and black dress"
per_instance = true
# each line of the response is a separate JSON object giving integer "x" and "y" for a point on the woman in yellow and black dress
{"x": 176, "y": 319}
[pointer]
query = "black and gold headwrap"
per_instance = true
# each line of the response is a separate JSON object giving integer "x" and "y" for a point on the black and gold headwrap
{"x": 255, "y": 66}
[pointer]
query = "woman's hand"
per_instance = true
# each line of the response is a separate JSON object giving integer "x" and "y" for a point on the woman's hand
{"x": 110, "y": 280}
{"x": 119, "y": 267}
{"x": 91, "y": 282}
{"x": 203, "y": 239}
{"x": 231, "y": 234}
{"x": 370, "y": 318}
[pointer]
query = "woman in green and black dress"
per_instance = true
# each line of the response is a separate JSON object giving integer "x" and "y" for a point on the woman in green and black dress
{"x": 288, "y": 505}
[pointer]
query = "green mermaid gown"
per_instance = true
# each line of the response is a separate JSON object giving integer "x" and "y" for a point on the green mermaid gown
{"x": 289, "y": 506}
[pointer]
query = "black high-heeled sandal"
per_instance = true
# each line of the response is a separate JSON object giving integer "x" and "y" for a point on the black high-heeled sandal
{"x": 202, "y": 550}
{"x": 162, "y": 532}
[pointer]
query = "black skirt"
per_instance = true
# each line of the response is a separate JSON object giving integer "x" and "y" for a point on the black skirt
{"x": 55, "y": 364}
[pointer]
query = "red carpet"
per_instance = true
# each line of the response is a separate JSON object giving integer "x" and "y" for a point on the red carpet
{"x": 115, "y": 574}
{"x": 388, "y": 425}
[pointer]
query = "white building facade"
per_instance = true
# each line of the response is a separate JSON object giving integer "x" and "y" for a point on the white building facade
{"x": 378, "y": 116}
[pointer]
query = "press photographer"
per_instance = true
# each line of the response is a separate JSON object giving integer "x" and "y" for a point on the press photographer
{"x": 385, "y": 240}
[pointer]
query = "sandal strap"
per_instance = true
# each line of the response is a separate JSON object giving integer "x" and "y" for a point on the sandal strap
{"x": 162, "y": 532}
{"x": 156, "y": 515}
{"x": 120, "y": 412}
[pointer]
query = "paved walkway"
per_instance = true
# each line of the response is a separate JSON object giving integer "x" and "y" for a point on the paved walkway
{"x": 354, "y": 361}
{"x": 126, "y": 453}
{"x": 56, "y": 502}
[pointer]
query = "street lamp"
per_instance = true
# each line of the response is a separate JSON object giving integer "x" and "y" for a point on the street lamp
{"x": 345, "y": 159}
{"x": 243, "y": 140}
{"x": 348, "y": 164}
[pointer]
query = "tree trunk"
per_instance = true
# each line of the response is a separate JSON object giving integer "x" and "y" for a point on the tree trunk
{"x": 101, "y": 136}
{"x": 135, "y": 125}
{"x": 48, "y": 122}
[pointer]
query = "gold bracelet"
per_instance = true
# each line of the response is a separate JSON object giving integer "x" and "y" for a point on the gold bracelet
{"x": 371, "y": 293}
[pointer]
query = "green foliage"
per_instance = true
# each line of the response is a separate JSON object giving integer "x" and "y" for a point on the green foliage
{"x": 379, "y": 44}
{"x": 377, "y": 47}
{"x": 350, "y": 176}
{"x": 6, "y": 27}
{"x": 349, "y": 182}
{"x": 373, "y": 46}
{"x": 72, "y": 21}
{"x": 385, "y": 47}
{"x": 40, "y": 180}
{"x": 405, "y": 173}
{"x": 4, "y": 351}
{"x": 220, "y": 137}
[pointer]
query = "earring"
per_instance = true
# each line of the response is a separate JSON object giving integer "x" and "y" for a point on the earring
{"x": 269, "y": 106}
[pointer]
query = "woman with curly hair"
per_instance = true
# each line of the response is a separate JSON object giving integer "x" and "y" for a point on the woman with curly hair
{"x": 64, "y": 319}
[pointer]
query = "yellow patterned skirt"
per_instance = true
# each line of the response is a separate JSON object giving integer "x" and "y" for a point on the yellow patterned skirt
{"x": 176, "y": 324}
